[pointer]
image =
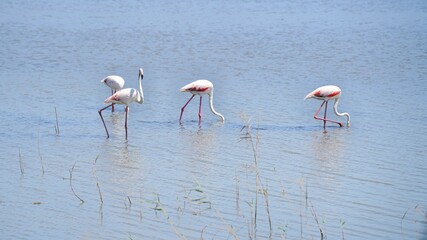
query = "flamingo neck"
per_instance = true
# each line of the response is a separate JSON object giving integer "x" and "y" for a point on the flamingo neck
{"x": 141, "y": 92}
{"x": 212, "y": 108}
{"x": 341, "y": 114}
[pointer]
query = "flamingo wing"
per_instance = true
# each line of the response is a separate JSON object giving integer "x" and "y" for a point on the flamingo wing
{"x": 325, "y": 93}
{"x": 121, "y": 97}
{"x": 197, "y": 87}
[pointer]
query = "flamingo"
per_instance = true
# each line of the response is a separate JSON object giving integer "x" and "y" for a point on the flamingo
{"x": 200, "y": 87}
{"x": 327, "y": 93}
{"x": 126, "y": 96}
{"x": 116, "y": 83}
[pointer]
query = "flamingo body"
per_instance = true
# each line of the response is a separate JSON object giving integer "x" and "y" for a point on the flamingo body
{"x": 116, "y": 83}
{"x": 200, "y": 88}
{"x": 126, "y": 96}
{"x": 326, "y": 93}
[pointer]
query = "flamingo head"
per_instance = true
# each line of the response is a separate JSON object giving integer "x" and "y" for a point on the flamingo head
{"x": 141, "y": 72}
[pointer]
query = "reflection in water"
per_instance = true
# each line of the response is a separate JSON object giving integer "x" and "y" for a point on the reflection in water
{"x": 122, "y": 163}
{"x": 328, "y": 144}
{"x": 201, "y": 142}
{"x": 115, "y": 122}
{"x": 200, "y": 147}
{"x": 327, "y": 149}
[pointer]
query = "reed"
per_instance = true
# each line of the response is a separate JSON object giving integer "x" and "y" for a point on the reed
{"x": 96, "y": 159}
{"x": 101, "y": 214}
{"x": 129, "y": 201}
{"x": 309, "y": 203}
{"x": 40, "y": 155}
{"x": 159, "y": 208}
{"x": 284, "y": 231}
{"x": 57, "y": 124}
{"x": 267, "y": 207}
{"x": 140, "y": 206}
{"x": 342, "y": 222}
{"x": 259, "y": 186}
{"x": 204, "y": 199}
{"x": 237, "y": 192}
{"x": 313, "y": 212}
{"x": 201, "y": 233}
{"x": 101, "y": 201}
{"x": 301, "y": 184}
{"x": 130, "y": 236}
{"x": 196, "y": 196}
{"x": 99, "y": 192}
{"x": 97, "y": 180}
{"x": 71, "y": 184}
{"x": 21, "y": 163}
{"x": 417, "y": 212}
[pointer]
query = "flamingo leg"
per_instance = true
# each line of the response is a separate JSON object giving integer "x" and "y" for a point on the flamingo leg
{"x": 100, "y": 114}
{"x": 182, "y": 109}
{"x": 200, "y": 110}
{"x": 126, "y": 121}
{"x": 112, "y": 105}
{"x": 324, "y": 115}
{"x": 318, "y": 110}
{"x": 324, "y": 118}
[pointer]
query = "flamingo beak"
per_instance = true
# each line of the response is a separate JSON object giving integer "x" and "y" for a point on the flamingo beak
{"x": 141, "y": 72}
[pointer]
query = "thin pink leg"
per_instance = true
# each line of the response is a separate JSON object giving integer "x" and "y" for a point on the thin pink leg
{"x": 112, "y": 105}
{"x": 100, "y": 114}
{"x": 324, "y": 119}
{"x": 318, "y": 110}
{"x": 324, "y": 115}
{"x": 126, "y": 121}
{"x": 182, "y": 109}
{"x": 200, "y": 110}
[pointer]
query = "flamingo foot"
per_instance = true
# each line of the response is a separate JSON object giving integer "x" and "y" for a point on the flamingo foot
{"x": 327, "y": 120}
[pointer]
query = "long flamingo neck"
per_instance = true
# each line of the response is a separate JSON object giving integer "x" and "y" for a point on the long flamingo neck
{"x": 341, "y": 114}
{"x": 141, "y": 92}
{"x": 212, "y": 108}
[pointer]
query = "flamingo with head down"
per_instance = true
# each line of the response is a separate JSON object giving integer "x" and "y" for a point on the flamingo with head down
{"x": 200, "y": 87}
{"x": 114, "y": 82}
{"x": 326, "y": 93}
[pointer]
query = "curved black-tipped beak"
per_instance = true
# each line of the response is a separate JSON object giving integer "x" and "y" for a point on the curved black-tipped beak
{"x": 141, "y": 73}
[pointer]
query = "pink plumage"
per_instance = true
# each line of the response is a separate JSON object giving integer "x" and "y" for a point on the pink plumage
{"x": 125, "y": 96}
{"x": 200, "y": 87}
{"x": 326, "y": 93}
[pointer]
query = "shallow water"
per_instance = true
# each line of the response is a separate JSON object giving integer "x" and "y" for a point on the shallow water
{"x": 199, "y": 181}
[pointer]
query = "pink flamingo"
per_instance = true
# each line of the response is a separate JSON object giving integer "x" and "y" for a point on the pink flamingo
{"x": 200, "y": 87}
{"x": 327, "y": 93}
{"x": 126, "y": 96}
{"x": 116, "y": 83}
